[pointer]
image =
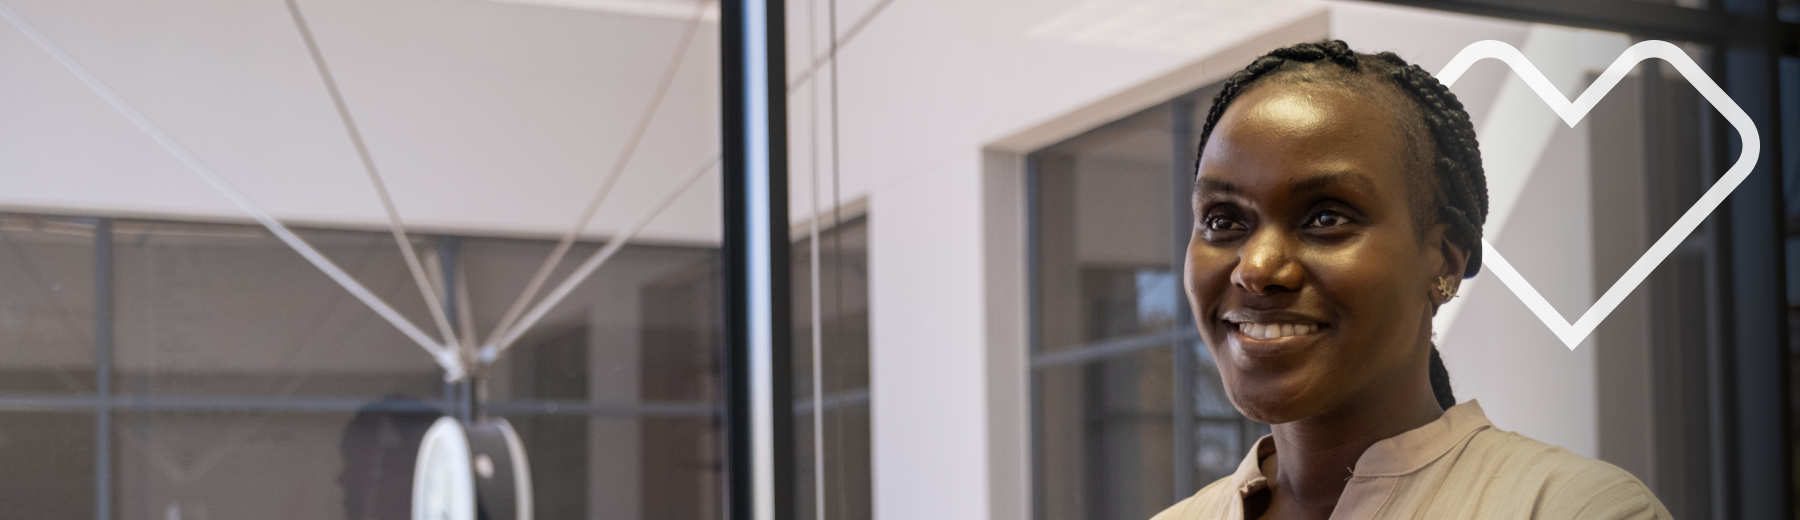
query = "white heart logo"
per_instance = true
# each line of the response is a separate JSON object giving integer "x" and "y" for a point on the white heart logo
{"x": 1572, "y": 112}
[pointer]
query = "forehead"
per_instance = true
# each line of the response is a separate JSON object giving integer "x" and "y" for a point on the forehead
{"x": 1281, "y": 131}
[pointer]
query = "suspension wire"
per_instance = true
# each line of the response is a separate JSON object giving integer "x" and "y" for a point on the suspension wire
{"x": 837, "y": 42}
{"x": 492, "y": 351}
{"x": 465, "y": 311}
{"x": 433, "y": 302}
{"x": 818, "y": 325}
{"x": 440, "y": 353}
{"x": 837, "y": 197}
{"x": 542, "y": 275}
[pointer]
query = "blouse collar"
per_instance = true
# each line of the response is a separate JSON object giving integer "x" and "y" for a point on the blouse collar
{"x": 1393, "y": 456}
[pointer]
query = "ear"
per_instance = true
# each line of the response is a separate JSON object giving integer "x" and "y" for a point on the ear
{"x": 1451, "y": 262}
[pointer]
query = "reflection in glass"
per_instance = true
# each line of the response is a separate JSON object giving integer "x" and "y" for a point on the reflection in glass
{"x": 844, "y": 312}
{"x": 249, "y": 386}
{"x": 1129, "y": 414}
{"x": 46, "y": 304}
{"x": 48, "y": 461}
{"x": 216, "y": 309}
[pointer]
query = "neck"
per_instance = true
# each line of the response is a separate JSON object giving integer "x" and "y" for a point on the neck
{"x": 1315, "y": 456}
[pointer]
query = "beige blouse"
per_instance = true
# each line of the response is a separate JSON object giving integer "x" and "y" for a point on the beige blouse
{"x": 1458, "y": 466}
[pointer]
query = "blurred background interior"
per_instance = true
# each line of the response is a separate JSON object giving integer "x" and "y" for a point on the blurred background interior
{"x": 989, "y": 208}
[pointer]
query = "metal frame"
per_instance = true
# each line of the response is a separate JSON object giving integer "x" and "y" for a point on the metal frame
{"x": 1641, "y": 18}
{"x": 758, "y": 367}
{"x": 103, "y": 365}
{"x": 1182, "y": 136}
{"x": 1757, "y": 450}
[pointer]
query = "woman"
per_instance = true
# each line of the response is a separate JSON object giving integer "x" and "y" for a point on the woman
{"x": 1339, "y": 201}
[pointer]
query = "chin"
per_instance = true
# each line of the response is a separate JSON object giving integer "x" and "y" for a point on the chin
{"x": 1275, "y": 399}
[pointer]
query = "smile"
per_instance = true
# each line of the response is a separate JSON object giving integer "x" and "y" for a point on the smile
{"x": 1277, "y": 330}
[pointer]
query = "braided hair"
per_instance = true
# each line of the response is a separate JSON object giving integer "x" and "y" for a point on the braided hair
{"x": 1447, "y": 184}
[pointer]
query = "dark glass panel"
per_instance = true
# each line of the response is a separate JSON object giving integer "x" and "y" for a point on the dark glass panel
{"x": 46, "y": 304}
{"x": 48, "y": 461}
{"x": 228, "y": 310}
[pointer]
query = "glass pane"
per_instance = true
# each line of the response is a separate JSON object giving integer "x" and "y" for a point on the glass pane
{"x": 227, "y": 310}
{"x": 46, "y": 304}
{"x": 1222, "y": 436}
{"x": 259, "y": 465}
{"x": 49, "y": 461}
{"x": 1105, "y": 435}
{"x": 1106, "y": 239}
{"x": 843, "y": 292}
{"x": 245, "y": 382}
{"x": 1111, "y": 222}
{"x": 623, "y": 375}
{"x": 831, "y": 218}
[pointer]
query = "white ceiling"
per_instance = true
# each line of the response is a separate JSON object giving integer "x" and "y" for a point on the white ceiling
{"x": 484, "y": 117}
{"x": 503, "y": 116}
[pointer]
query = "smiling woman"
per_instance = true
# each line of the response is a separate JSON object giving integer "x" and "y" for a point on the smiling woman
{"x": 1338, "y": 202}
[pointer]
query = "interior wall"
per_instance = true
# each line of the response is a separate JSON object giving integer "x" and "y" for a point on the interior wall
{"x": 981, "y": 77}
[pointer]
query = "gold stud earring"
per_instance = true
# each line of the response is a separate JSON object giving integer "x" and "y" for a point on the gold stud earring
{"x": 1445, "y": 289}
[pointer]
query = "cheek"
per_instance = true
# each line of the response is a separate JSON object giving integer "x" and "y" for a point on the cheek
{"x": 1372, "y": 288}
{"x": 1206, "y": 277}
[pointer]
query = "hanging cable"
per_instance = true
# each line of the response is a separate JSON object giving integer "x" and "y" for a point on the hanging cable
{"x": 818, "y": 325}
{"x": 491, "y": 351}
{"x": 631, "y": 145}
{"x": 837, "y": 198}
{"x": 432, "y": 301}
{"x": 837, "y": 42}
{"x": 438, "y": 352}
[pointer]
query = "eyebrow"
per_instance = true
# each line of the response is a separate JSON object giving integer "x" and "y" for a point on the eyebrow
{"x": 1324, "y": 181}
{"x": 1221, "y": 186}
{"x": 1315, "y": 183}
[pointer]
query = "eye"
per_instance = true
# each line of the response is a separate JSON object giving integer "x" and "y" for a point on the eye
{"x": 1217, "y": 222}
{"x": 1223, "y": 222}
{"x": 1326, "y": 219}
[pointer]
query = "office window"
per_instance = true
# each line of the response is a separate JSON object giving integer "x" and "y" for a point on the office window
{"x": 46, "y": 304}
{"x": 245, "y": 384}
{"x": 1129, "y": 414}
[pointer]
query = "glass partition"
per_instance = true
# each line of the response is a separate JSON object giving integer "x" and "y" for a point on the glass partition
{"x": 249, "y": 253}
{"x": 531, "y": 186}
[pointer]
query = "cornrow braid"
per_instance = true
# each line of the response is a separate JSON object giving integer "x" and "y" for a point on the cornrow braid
{"x": 1456, "y": 184}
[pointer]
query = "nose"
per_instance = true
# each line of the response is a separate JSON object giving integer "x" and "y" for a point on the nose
{"x": 1268, "y": 264}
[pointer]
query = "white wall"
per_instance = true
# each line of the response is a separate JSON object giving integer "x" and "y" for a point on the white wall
{"x": 924, "y": 89}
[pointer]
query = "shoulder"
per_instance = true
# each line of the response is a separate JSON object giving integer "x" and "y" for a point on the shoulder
{"x": 1216, "y": 500}
{"x": 1558, "y": 482}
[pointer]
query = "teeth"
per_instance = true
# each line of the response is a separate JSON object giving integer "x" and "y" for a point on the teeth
{"x": 1276, "y": 330}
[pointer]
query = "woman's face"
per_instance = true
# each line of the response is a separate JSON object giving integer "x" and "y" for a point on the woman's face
{"x": 1308, "y": 280}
